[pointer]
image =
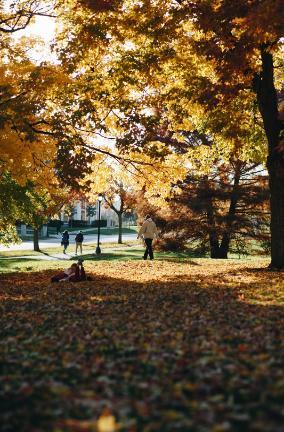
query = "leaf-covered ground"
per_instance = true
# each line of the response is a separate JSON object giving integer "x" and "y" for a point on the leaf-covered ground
{"x": 145, "y": 346}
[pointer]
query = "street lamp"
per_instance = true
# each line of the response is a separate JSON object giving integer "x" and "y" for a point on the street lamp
{"x": 98, "y": 249}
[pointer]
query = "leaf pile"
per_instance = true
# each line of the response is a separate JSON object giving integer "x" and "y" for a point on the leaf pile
{"x": 145, "y": 346}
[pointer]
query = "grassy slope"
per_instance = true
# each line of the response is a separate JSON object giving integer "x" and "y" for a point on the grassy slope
{"x": 70, "y": 249}
{"x": 14, "y": 261}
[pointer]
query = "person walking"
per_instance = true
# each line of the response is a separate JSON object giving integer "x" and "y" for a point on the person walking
{"x": 148, "y": 232}
{"x": 79, "y": 240}
{"x": 65, "y": 241}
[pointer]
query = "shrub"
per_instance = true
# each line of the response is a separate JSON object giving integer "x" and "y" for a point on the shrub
{"x": 78, "y": 223}
{"x": 95, "y": 223}
{"x": 55, "y": 223}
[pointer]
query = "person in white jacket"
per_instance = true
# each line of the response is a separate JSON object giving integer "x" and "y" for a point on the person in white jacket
{"x": 148, "y": 232}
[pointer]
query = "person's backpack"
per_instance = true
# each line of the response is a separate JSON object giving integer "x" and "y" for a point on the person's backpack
{"x": 79, "y": 238}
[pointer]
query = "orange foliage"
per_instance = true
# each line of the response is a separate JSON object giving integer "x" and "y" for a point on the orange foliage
{"x": 144, "y": 346}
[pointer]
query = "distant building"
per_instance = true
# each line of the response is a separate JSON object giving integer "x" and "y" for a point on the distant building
{"x": 82, "y": 211}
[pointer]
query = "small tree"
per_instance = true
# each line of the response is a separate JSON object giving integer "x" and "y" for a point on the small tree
{"x": 211, "y": 211}
{"x": 44, "y": 204}
{"x": 91, "y": 211}
{"x": 14, "y": 207}
{"x": 109, "y": 180}
{"x": 120, "y": 199}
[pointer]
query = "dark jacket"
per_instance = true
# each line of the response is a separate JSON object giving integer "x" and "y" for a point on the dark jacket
{"x": 79, "y": 238}
{"x": 65, "y": 238}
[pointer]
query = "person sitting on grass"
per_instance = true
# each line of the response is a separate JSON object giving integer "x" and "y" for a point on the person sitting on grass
{"x": 75, "y": 273}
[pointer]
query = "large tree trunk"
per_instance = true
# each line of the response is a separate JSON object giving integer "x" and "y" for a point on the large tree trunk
{"x": 224, "y": 246}
{"x": 267, "y": 103}
{"x": 214, "y": 244}
{"x": 213, "y": 235}
{"x": 119, "y": 228}
{"x": 276, "y": 182}
{"x": 36, "y": 240}
{"x": 226, "y": 238}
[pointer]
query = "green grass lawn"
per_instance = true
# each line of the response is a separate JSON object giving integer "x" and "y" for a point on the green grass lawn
{"x": 15, "y": 261}
{"x": 19, "y": 264}
{"x": 105, "y": 231}
{"x": 70, "y": 249}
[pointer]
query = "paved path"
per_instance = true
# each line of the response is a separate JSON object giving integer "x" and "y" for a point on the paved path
{"x": 62, "y": 256}
{"x": 56, "y": 240}
{"x": 42, "y": 257}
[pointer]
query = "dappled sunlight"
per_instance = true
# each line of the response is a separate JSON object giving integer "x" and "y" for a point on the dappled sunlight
{"x": 108, "y": 298}
{"x": 20, "y": 298}
{"x": 189, "y": 345}
{"x": 96, "y": 298}
{"x": 114, "y": 112}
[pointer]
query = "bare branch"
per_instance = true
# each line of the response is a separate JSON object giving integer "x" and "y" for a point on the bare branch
{"x": 21, "y": 18}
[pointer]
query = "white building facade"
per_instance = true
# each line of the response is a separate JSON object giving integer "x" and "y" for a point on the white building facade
{"x": 87, "y": 213}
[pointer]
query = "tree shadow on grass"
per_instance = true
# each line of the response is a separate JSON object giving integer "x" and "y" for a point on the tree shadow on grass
{"x": 182, "y": 354}
{"x": 108, "y": 256}
{"x": 135, "y": 255}
{"x": 55, "y": 256}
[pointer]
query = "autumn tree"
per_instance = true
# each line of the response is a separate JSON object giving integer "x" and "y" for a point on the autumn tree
{"x": 114, "y": 182}
{"x": 120, "y": 200}
{"x": 243, "y": 50}
{"x": 27, "y": 148}
{"x": 44, "y": 204}
{"x": 215, "y": 212}
{"x": 219, "y": 64}
{"x": 14, "y": 204}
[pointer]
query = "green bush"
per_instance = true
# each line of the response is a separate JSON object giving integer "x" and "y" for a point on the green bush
{"x": 78, "y": 223}
{"x": 55, "y": 223}
{"x": 103, "y": 223}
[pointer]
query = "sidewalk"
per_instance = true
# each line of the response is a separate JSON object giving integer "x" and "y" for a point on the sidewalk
{"x": 65, "y": 257}
{"x": 47, "y": 257}
{"x": 55, "y": 241}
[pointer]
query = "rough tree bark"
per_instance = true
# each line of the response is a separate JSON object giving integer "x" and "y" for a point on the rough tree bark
{"x": 213, "y": 235}
{"x": 119, "y": 227}
{"x": 119, "y": 211}
{"x": 226, "y": 238}
{"x": 219, "y": 249}
{"x": 36, "y": 240}
{"x": 267, "y": 103}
